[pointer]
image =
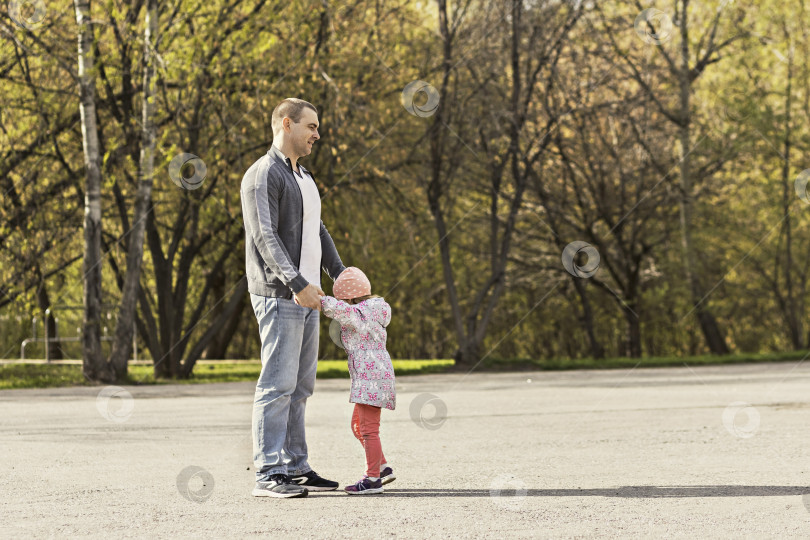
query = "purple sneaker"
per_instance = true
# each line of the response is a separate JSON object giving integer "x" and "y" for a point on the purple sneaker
{"x": 365, "y": 487}
{"x": 387, "y": 475}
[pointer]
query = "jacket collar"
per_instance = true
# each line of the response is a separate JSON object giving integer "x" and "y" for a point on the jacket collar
{"x": 278, "y": 155}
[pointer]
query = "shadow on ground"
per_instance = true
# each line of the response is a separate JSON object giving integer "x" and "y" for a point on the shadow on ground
{"x": 640, "y": 492}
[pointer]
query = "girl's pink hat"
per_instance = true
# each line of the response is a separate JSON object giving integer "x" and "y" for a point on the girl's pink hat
{"x": 351, "y": 283}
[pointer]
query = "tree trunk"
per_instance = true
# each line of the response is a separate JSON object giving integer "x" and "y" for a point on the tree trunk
{"x": 218, "y": 347}
{"x": 586, "y": 319}
{"x": 633, "y": 331}
{"x": 435, "y": 188}
{"x": 468, "y": 354}
{"x": 125, "y": 326}
{"x": 94, "y": 366}
{"x": 163, "y": 370}
{"x": 708, "y": 324}
{"x": 792, "y": 312}
{"x": 44, "y": 301}
{"x": 236, "y": 299}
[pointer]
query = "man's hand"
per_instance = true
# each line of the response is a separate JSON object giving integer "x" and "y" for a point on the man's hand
{"x": 309, "y": 297}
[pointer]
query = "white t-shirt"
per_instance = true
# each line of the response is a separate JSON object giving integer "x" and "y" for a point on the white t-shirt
{"x": 310, "y": 266}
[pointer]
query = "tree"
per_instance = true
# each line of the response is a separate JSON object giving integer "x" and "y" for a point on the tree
{"x": 773, "y": 114}
{"x": 682, "y": 71}
{"x": 125, "y": 325}
{"x": 95, "y": 366}
{"x": 525, "y": 74}
{"x": 609, "y": 196}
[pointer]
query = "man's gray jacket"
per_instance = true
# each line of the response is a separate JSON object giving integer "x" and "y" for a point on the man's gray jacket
{"x": 273, "y": 210}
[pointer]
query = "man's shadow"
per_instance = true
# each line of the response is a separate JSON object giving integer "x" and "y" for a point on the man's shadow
{"x": 640, "y": 492}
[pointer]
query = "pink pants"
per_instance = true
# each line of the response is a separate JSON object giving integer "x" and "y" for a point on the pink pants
{"x": 366, "y": 427}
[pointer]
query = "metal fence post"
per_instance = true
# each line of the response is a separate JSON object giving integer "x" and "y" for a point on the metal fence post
{"x": 47, "y": 337}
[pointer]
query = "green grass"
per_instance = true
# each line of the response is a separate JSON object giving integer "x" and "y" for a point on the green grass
{"x": 520, "y": 364}
{"x": 47, "y": 376}
{"x": 39, "y": 376}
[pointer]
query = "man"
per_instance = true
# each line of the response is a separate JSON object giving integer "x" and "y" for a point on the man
{"x": 286, "y": 244}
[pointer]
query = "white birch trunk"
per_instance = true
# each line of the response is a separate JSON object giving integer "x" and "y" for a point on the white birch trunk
{"x": 94, "y": 365}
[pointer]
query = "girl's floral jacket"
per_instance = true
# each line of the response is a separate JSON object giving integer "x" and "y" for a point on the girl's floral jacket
{"x": 363, "y": 335}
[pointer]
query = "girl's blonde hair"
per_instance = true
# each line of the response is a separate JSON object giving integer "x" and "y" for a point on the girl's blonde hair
{"x": 361, "y": 298}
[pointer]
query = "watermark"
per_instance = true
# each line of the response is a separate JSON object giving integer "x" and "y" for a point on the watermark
{"x": 779, "y": 56}
{"x": 195, "y": 484}
{"x": 508, "y": 491}
{"x": 29, "y": 14}
{"x": 335, "y": 332}
{"x": 732, "y": 416}
{"x": 420, "y": 99}
{"x": 115, "y": 404}
{"x": 806, "y": 501}
{"x": 187, "y": 171}
{"x": 572, "y": 255}
{"x": 423, "y": 404}
{"x": 801, "y": 185}
{"x": 732, "y": 105}
{"x": 653, "y": 26}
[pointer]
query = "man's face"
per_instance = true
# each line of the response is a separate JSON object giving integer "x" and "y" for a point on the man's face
{"x": 303, "y": 134}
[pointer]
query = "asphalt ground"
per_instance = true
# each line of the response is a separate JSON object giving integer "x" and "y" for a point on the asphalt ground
{"x": 710, "y": 452}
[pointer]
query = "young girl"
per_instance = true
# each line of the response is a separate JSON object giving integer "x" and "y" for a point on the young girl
{"x": 363, "y": 319}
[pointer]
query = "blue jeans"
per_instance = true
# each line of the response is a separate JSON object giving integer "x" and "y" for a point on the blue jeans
{"x": 289, "y": 335}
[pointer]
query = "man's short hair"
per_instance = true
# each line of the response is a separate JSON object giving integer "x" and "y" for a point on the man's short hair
{"x": 291, "y": 108}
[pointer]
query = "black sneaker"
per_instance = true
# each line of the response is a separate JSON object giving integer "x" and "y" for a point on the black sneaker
{"x": 387, "y": 475}
{"x": 313, "y": 482}
{"x": 279, "y": 486}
